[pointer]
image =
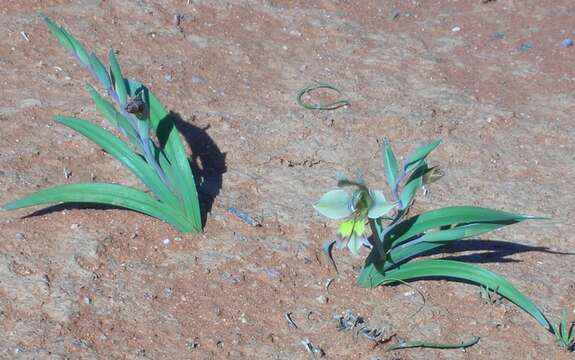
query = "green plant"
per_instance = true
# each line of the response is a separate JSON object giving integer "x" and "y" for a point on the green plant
{"x": 565, "y": 337}
{"x": 161, "y": 166}
{"x": 396, "y": 238}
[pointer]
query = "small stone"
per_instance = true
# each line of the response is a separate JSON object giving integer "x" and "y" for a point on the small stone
{"x": 20, "y": 236}
{"x": 567, "y": 42}
{"x": 74, "y": 226}
{"x": 272, "y": 273}
{"x": 525, "y": 46}
{"x": 197, "y": 79}
{"x": 456, "y": 29}
{"x": 166, "y": 241}
{"x": 168, "y": 292}
{"x": 87, "y": 300}
{"x": 168, "y": 77}
{"x": 232, "y": 278}
{"x": 26, "y": 103}
{"x": 322, "y": 299}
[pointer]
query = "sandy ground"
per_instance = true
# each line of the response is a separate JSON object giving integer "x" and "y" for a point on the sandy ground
{"x": 489, "y": 78}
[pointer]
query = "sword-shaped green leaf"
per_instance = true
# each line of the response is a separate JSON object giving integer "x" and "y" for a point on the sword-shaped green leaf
{"x": 455, "y": 233}
{"x": 118, "y": 120}
{"x": 450, "y": 216}
{"x": 100, "y": 71}
{"x": 417, "y": 157}
{"x": 60, "y": 34}
{"x": 457, "y": 270}
{"x": 410, "y": 189}
{"x": 117, "y": 78}
{"x": 390, "y": 166}
{"x": 108, "y": 194}
{"x": 68, "y": 41}
{"x": 121, "y": 152}
{"x": 180, "y": 173}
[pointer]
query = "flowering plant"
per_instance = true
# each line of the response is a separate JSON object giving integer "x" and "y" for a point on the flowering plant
{"x": 161, "y": 166}
{"x": 396, "y": 238}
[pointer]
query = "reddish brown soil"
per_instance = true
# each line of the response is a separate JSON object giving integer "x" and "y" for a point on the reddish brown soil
{"x": 80, "y": 283}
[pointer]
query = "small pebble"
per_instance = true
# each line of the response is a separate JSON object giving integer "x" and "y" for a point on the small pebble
{"x": 168, "y": 77}
{"x": 74, "y": 226}
{"x": 166, "y": 241}
{"x": 567, "y": 42}
{"x": 272, "y": 273}
{"x": 322, "y": 299}
{"x": 197, "y": 79}
{"x": 525, "y": 46}
{"x": 456, "y": 29}
{"x": 234, "y": 279}
{"x": 168, "y": 292}
{"x": 87, "y": 300}
{"x": 20, "y": 236}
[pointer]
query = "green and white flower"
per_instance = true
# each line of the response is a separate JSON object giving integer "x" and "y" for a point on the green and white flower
{"x": 355, "y": 209}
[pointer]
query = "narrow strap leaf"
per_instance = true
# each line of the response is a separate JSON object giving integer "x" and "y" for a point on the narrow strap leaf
{"x": 416, "y": 157}
{"x": 118, "y": 120}
{"x": 458, "y": 270}
{"x": 68, "y": 41}
{"x": 170, "y": 145}
{"x": 390, "y": 167}
{"x": 108, "y": 194}
{"x": 59, "y": 34}
{"x": 121, "y": 152}
{"x": 452, "y": 215}
{"x": 117, "y": 78}
{"x": 413, "y": 184}
{"x": 456, "y": 233}
{"x": 100, "y": 71}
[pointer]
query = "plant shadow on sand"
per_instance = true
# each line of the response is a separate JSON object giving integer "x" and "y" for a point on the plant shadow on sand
{"x": 490, "y": 251}
{"x": 207, "y": 162}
